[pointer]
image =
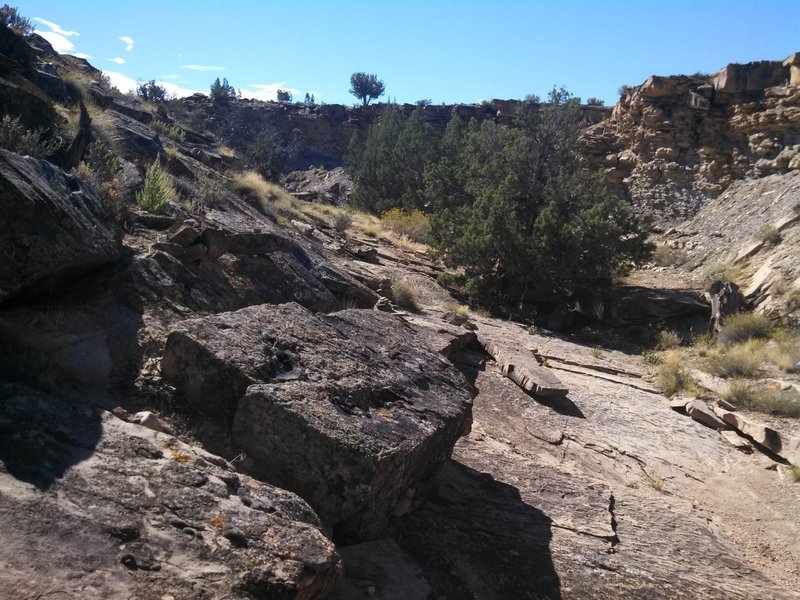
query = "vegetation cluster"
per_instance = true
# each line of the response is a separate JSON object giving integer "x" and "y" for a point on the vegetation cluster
{"x": 514, "y": 205}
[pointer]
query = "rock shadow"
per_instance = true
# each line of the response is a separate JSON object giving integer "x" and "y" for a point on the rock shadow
{"x": 474, "y": 537}
{"x": 41, "y": 437}
{"x": 561, "y": 404}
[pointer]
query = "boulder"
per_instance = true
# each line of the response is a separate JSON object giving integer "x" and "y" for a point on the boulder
{"x": 102, "y": 508}
{"x": 60, "y": 229}
{"x": 351, "y": 410}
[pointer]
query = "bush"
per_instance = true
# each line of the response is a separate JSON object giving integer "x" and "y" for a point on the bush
{"x": 157, "y": 192}
{"x": 667, "y": 256}
{"x": 595, "y": 102}
{"x": 667, "y": 340}
{"x": 405, "y": 296}
{"x": 172, "y": 132}
{"x": 221, "y": 91}
{"x": 720, "y": 272}
{"x": 744, "y": 326}
{"x": 742, "y": 360}
{"x": 769, "y": 235}
{"x": 366, "y": 87}
{"x": 651, "y": 358}
{"x": 672, "y": 376}
{"x": 14, "y": 136}
{"x": 342, "y": 222}
{"x": 785, "y": 403}
{"x": 151, "y": 91}
{"x": 284, "y": 96}
{"x": 413, "y": 224}
{"x": 15, "y": 21}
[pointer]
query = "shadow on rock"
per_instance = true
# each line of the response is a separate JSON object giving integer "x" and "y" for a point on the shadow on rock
{"x": 561, "y": 404}
{"x": 41, "y": 439}
{"x": 476, "y": 538}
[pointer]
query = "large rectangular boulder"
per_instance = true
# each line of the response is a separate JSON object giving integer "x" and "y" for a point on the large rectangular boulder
{"x": 353, "y": 411}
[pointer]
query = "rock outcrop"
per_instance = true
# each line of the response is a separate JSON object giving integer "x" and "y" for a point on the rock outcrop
{"x": 56, "y": 228}
{"x": 673, "y": 143}
{"x": 349, "y": 410}
{"x": 118, "y": 510}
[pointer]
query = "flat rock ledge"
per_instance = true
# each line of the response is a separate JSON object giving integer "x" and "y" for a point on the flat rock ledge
{"x": 352, "y": 411}
{"x": 98, "y": 508}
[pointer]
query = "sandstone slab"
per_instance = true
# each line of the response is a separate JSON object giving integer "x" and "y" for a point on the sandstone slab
{"x": 523, "y": 368}
{"x": 351, "y": 410}
{"x": 785, "y": 446}
{"x": 107, "y": 509}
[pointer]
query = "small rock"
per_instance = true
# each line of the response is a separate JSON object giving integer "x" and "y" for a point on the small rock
{"x": 149, "y": 420}
{"x": 700, "y": 412}
{"x": 737, "y": 442}
{"x": 384, "y": 305}
{"x": 235, "y": 535}
{"x": 185, "y": 235}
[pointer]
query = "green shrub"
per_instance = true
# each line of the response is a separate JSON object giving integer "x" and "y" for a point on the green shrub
{"x": 14, "y": 136}
{"x": 413, "y": 224}
{"x": 672, "y": 375}
{"x": 785, "y": 403}
{"x": 741, "y": 360}
{"x": 405, "y": 296}
{"x": 667, "y": 340}
{"x": 157, "y": 192}
{"x": 172, "y": 132}
{"x": 744, "y": 326}
{"x": 651, "y": 358}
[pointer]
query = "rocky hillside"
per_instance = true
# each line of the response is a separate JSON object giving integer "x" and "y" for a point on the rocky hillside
{"x": 674, "y": 143}
{"x": 223, "y": 397}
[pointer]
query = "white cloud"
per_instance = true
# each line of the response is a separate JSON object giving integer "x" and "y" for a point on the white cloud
{"x": 59, "y": 43}
{"x": 202, "y": 68}
{"x": 119, "y": 61}
{"x": 127, "y": 84}
{"x": 128, "y": 42}
{"x": 81, "y": 55}
{"x": 267, "y": 91}
{"x": 120, "y": 81}
{"x": 55, "y": 28}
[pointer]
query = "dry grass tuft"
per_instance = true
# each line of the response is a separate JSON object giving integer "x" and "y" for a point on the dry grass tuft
{"x": 405, "y": 296}
{"x": 739, "y": 360}
{"x": 757, "y": 397}
{"x": 744, "y": 326}
{"x": 672, "y": 375}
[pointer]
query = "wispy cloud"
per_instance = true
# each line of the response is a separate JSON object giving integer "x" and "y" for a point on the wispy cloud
{"x": 119, "y": 61}
{"x": 81, "y": 55}
{"x": 202, "y": 68}
{"x": 55, "y": 28}
{"x": 170, "y": 76}
{"x": 267, "y": 91}
{"x": 128, "y": 42}
{"x": 57, "y": 36}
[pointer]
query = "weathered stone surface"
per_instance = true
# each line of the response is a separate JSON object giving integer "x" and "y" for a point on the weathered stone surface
{"x": 349, "y": 410}
{"x": 185, "y": 235}
{"x": 107, "y": 509}
{"x": 630, "y": 304}
{"x": 57, "y": 229}
{"x": 523, "y": 368}
{"x": 380, "y": 569}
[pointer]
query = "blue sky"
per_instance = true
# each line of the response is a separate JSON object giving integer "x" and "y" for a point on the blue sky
{"x": 445, "y": 51}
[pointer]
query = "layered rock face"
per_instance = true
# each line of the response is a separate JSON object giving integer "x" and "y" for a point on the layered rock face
{"x": 673, "y": 143}
{"x": 57, "y": 229}
{"x": 349, "y": 410}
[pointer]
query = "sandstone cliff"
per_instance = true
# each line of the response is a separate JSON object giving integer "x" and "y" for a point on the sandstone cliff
{"x": 674, "y": 143}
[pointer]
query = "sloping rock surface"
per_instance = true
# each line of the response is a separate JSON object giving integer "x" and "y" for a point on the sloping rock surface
{"x": 54, "y": 229}
{"x": 102, "y": 508}
{"x": 349, "y": 410}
